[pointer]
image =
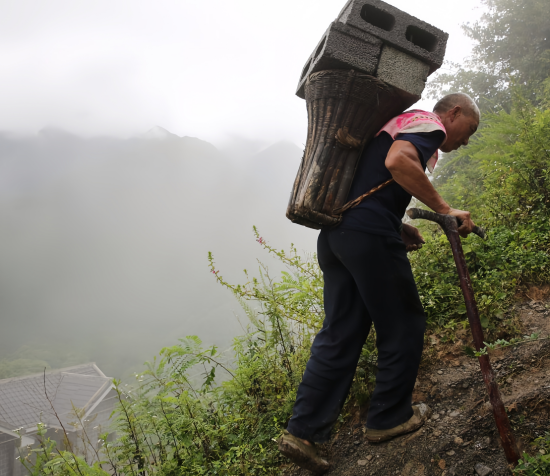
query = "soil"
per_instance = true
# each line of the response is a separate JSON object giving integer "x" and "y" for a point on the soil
{"x": 461, "y": 432}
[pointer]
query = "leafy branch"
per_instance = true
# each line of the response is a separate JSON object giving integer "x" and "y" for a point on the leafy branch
{"x": 502, "y": 343}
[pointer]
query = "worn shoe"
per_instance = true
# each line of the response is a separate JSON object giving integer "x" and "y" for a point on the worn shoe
{"x": 303, "y": 455}
{"x": 421, "y": 413}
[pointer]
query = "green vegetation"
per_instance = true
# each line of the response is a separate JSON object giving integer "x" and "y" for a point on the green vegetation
{"x": 46, "y": 459}
{"x": 19, "y": 367}
{"x": 502, "y": 344}
{"x": 538, "y": 465}
{"x": 512, "y": 46}
{"x": 29, "y": 360}
{"x": 503, "y": 178}
{"x": 195, "y": 411}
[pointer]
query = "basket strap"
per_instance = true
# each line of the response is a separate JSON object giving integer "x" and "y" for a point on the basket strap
{"x": 358, "y": 200}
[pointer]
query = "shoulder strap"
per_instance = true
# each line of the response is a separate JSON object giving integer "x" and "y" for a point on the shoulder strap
{"x": 358, "y": 200}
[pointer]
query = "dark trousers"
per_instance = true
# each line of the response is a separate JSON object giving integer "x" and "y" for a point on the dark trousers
{"x": 368, "y": 279}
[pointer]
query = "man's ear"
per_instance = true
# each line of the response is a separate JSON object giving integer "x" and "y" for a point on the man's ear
{"x": 455, "y": 113}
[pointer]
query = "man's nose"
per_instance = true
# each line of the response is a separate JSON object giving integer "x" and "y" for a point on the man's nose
{"x": 465, "y": 142}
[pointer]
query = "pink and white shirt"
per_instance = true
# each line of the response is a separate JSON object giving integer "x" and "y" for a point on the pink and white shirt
{"x": 413, "y": 121}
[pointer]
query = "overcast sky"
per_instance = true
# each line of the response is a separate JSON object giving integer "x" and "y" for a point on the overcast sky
{"x": 210, "y": 69}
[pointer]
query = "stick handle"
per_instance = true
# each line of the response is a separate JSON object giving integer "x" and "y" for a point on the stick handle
{"x": 417, "y": 213}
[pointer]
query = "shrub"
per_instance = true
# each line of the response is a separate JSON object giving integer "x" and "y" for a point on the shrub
{"x": 538, "y": 465}
{"x": 503, "y": 178}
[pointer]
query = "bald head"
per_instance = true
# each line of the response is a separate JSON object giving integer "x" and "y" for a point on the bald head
{"x": 466, "y": 103}
{"x": 460, "y": 116}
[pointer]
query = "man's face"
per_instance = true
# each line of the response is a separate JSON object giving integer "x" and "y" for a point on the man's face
{"x": 459, "y": 126}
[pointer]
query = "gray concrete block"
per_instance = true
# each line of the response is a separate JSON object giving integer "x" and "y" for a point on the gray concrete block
{"x": 398, "y": 29}
{"x": 365, "y": 28}
{"x": 402, "y": 71}
{"x": 342, "y": 47}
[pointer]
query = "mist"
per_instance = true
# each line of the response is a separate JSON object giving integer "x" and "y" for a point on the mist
{"x": 105, "y": 240}
{"x": 106, "y": 223}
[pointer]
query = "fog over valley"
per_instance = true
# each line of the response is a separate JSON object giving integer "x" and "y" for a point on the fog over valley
{"x": 107, "y": 221}
{"x": 105, "y": 240}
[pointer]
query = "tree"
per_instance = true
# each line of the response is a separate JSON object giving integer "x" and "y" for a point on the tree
{"x": 512, "y": 48}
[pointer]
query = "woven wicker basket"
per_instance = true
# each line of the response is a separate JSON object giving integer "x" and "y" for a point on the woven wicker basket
{"x": 345, "y": 110}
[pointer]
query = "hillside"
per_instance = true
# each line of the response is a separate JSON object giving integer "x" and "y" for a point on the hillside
{"x": 461, "y": 438}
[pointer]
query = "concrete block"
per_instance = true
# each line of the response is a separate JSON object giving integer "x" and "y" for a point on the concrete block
{"x": 342, "y": 47}
{"x": 398, "y": 29}
{"x": 402, "y": 71}
{"x": 369, "y": 31}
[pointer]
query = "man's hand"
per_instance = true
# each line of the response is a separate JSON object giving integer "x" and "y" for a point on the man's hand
{"x": 403, "y": 162}
{"x": 467, "y": 225}
{"x": 411, "y": 237}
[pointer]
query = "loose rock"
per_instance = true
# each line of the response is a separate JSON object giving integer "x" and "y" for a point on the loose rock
{"x": 414, "y": 468}
{"x": 361, "y": 462}
{"x": 458, "y": 440}
{"x": 482, "y": 470}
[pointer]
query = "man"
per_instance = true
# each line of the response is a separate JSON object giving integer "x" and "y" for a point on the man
{"x": 368, "y": 280}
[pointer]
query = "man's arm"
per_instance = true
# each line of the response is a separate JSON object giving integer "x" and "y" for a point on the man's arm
{"x": 404, "y": 164}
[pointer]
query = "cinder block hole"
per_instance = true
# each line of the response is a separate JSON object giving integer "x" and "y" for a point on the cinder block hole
{"x": 421, "y": 38}
{"x": 306, "y": 68}
{"x": 320, "y": 47}
{"x": 377, "y": 17}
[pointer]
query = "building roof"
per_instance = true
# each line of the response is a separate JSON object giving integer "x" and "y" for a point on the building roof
{"x": 22, "y": 440}
{"x": 27, "y": 401}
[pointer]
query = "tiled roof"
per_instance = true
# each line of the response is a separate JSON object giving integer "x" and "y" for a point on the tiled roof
{"x": 23, "y": 400}
{"x": 25, "y": 440}
{"x": 5, "y": 428}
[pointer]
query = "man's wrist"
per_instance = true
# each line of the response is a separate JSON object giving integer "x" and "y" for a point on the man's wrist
{"x": 444, "y": 209}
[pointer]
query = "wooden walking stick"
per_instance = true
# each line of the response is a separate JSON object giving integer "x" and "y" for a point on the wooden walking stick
{"x": 449, "y": 224}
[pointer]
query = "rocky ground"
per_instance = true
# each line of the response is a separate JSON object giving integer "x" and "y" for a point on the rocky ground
{"x": 461, "y": 438}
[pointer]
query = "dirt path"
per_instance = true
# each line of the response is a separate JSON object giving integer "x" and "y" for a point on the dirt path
{"x": 461, "y": 433}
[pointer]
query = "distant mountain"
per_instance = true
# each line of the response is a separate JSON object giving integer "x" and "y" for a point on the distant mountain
{"x": 277, "y": 163}
{"x": 104, "y": 240}
{"x": 190, "y": 147}
{"x": 158, "y": 133}
{"x": 273, "y": 171}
